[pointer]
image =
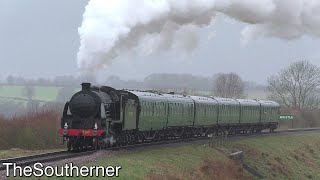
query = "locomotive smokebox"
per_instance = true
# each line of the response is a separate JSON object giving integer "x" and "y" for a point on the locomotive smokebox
{"x": 85, "y": 103}
{"x": 86, "y": 86}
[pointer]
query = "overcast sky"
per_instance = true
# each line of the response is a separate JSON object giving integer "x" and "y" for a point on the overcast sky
{"x": 39, "y": 38}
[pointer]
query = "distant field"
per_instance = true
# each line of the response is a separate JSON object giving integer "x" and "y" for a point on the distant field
{"x": 257, "y": 94}
{"x": 46, "y": 93}
{"x": 41, "y": 93}
{"x": 11, "y": 91}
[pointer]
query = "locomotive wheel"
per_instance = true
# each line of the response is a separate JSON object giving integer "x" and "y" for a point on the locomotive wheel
{"x": 69, "y": 146}
{"x": 102, "y": 144}
{"x": 95, "y": 143}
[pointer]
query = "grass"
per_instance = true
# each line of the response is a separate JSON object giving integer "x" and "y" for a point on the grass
{"x": 11, "y": 91}
{"x": 279, "y": 157}
{"x": 46, "y": 93}
{"x": 179, "y": 160}
{"x": 182, "y": 162}
{"x": 41, "y": 92}
{"x": 16, "y": 152}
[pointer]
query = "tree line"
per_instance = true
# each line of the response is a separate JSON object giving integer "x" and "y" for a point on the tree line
{"x": 60, "y": 81}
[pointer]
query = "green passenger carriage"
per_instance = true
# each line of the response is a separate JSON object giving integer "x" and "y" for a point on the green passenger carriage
{"x": 229, "y": 111}
{"x": 270, "y": 111}
{"x": 180, "y": 110}
{"x": 249, "y": 111}
{"x": 206, "y": 111}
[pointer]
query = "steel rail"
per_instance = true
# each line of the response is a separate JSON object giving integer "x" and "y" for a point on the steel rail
{"x": 42, "y": 158}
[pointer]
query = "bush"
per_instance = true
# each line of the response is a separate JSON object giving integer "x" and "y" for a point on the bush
{"x": 36, "y": 130}
{"x": 306, "y": 119}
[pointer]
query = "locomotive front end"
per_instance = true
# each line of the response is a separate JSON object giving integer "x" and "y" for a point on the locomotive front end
{"x": 87, "y": 117}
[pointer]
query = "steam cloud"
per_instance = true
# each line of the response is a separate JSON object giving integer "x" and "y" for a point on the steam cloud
{"x": 112, "y": 27}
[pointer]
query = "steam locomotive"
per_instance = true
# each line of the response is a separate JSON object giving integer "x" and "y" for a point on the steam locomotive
{"x": 100, "y": 117}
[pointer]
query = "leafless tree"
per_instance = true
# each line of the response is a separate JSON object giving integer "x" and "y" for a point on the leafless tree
{"x": 33, "y": 105}
{"x": 65, "y": 93}
{"x": 229, "y": 85}
{"x": 296, "y": 87}
{"x": 28, "y": 91}
{"x": 10, "y": 79}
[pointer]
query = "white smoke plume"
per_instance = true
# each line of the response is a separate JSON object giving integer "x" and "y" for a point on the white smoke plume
{"x": 112, "y": 27}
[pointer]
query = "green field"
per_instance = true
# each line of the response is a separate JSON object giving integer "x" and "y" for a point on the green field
{"x": 40, "y": 93}
{"x": 46, "y": 93}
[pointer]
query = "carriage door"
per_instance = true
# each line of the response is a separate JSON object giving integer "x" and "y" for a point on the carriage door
{"x": 130, "y": 115}
{"x": 263, "y": 114}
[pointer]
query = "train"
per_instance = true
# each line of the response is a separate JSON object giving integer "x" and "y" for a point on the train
{"x": 98, "y": 117}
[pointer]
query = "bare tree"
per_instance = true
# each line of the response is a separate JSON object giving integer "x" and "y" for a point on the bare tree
{"x": 33, "y": 105}
{"x": 10, "y": 79}
{"x": 28, "y": 91}
{"x": 229, "y": 85}
{"x": 296, "y": 87}
{"x": 65, "y": 93}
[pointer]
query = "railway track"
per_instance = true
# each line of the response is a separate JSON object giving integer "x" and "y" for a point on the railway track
{"x": 60, "y": 155}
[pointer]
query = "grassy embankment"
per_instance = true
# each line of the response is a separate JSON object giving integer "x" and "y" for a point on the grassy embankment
{"x": 277, "y": 157}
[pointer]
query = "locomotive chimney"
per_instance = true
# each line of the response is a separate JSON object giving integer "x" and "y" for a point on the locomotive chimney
{"x": 86, "y": 86}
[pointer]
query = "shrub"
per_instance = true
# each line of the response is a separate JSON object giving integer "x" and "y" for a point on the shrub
{"x": 35, "y": 130}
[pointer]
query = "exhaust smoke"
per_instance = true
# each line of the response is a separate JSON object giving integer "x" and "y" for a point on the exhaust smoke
{"x": 113, "y": 27}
